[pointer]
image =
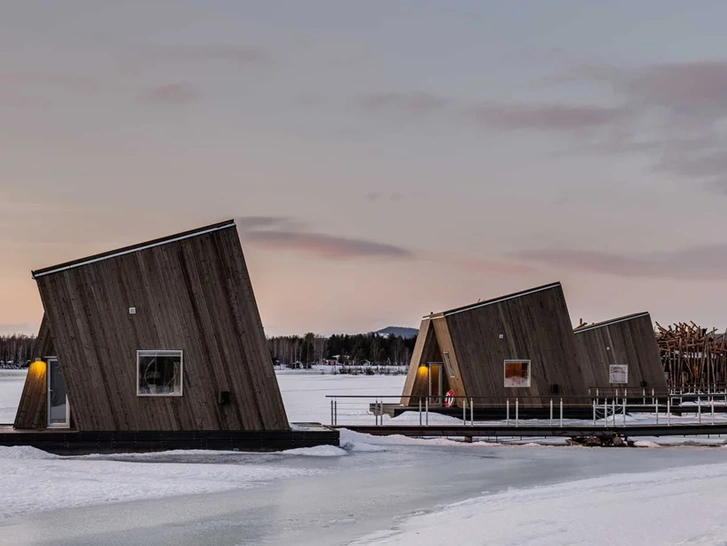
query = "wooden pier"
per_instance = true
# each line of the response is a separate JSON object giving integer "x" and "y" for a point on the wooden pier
{"x": 539, "y": 431}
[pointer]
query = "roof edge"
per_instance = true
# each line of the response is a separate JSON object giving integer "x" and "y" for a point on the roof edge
{"x": 501, "y": 299}
{"x": 133, "y": 248}
{"x": 616, "y": 320}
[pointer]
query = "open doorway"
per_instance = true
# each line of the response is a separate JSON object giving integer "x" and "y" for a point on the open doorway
{"x": 436, "y": 383}
{"x": 59, "y": 414}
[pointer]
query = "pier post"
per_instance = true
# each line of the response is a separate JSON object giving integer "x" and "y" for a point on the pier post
{"x": 420, "y": 411}
{"x": 699, "y": 408}
{"x": 517, "y": 412}
{"x": 507, "y": 412}
{"x": 593, "y": 402}
{"x": 472, "y": 411}
{"x": 668, "y": 411}
{"x": 561, "y": 412}
{"x": 332, "y": 421}
{"x": 551, "y": 412}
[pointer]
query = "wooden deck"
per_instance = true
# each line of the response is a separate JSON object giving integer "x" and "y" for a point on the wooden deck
{"x": 73, "y": 442}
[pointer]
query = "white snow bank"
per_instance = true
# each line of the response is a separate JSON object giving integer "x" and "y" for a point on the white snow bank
{"x": 414, "y": 417}
{"x": 317, "y": 451}
{"x": 24, "y": 452}
{"x": 645, "y": 443}
{"x": 638, "y": 508}
{"x": 33, "y": 481}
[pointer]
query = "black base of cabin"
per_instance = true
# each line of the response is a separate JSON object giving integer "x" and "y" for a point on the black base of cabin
{"x": 71, "y": 442}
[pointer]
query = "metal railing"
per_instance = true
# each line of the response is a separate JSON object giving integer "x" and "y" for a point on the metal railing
{"x": 609, "y": 411}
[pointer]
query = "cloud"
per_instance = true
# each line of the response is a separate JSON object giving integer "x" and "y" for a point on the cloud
{"x": 326, "y": 246}
{"x": 546, "y": 117}
{"x": 676, "y": 114}
{"x": 238, "y": 55}
{"x": 705, "y": 262}
{"x": 174, "y": 93}
{"x": 248, "y": 223}
{"x": 684, "y": 86}
{"x": 383, "y": 196}
{"x": 281, "y": 232}
{"x": 487, "y": 266}
{"x": 410, "y": 102}
{"x": 75, "y": 82}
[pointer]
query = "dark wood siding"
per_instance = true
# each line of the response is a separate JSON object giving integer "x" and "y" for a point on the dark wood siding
{"x": 193, "y": 295}
{"x": 535, "y": 325}
{"x": 628, "y": 340}
{"x": 32, "y": 408}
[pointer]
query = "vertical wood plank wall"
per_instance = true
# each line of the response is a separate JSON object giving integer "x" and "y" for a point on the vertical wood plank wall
{"x": 535, "y": 326}
{"x": 193, "y": 295}
{"x": 627, "y": 340}
{"x": 33, "y": 406}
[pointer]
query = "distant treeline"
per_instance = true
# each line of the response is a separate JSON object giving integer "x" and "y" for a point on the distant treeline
{"x": 342, "y": 349}
{"x": 16, "y": 351}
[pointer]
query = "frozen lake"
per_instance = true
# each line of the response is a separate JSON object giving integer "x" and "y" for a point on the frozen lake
{"x": 374, "y": 491}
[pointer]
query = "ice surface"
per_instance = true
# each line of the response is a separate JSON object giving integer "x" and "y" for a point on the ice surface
{"x": 678, "y": 506}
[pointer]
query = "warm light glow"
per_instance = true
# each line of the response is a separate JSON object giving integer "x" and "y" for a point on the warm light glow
{"x": 423, "y": 370}
{"x": 37, "y": 369}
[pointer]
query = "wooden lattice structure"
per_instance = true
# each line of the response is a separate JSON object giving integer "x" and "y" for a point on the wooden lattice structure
{"x": 693, "y": 356}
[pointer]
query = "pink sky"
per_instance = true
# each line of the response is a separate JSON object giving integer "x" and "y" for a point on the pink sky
{"x": 383, "y": 159}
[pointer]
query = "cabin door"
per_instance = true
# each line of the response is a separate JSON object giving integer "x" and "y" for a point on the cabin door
{"x": 436, "y": 384}
{"x": 59, "y": 415}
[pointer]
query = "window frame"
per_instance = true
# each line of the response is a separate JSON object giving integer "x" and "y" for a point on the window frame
{"x": 160, "y": 352}
{"x": 530, "y": 373}
{"x": 611, "y": 374}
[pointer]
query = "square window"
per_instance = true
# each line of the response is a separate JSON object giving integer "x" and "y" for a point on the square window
{"x": 517, "y": 374}
{"x": 159, "y": 373}
{"x": 618, "y": 374}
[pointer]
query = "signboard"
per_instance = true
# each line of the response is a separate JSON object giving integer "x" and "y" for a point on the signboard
{"x": 618, "y": 374}
{"x": 517, "y": 374}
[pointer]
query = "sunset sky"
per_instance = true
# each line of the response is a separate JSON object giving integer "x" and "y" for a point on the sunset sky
{"x": 384, "y": 159}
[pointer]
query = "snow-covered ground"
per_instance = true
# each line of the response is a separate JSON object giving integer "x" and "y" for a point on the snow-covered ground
{"x": 372, "y": 490}
{"x": 682, "y": 506}
{"x": 11, "y": 386}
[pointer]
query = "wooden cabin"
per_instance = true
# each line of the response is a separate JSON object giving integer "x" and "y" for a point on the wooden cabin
{"x": 622, "y": 353}
{"x": 516, "y": 346}
{"x": 160, "y": 336}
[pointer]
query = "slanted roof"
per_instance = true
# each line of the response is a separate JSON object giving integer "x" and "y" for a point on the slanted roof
{"x": 497, "y": 300}
{"x": 131, "y": 249}
{"x": 610, "y": 322}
